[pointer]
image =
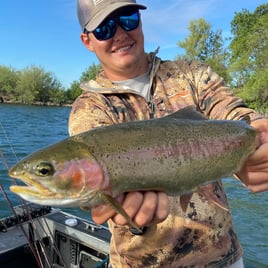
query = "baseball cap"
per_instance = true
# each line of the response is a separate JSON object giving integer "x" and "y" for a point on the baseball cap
{"x": 91, "y": 13}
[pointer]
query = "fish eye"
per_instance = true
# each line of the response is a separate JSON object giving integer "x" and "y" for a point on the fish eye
{"x": 44, "y": 169}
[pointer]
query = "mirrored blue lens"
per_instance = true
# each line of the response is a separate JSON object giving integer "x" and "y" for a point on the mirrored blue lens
{"x": 105, "y": 31}
{"x": 108, "y": 28}
{"x": 129, "y": 23}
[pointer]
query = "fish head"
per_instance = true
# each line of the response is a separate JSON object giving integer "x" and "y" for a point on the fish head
{"x": 64, "y": 174}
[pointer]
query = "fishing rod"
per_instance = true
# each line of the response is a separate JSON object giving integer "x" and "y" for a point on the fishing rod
{"x": 27, "y": 215}
{"x": 21, "y": 227}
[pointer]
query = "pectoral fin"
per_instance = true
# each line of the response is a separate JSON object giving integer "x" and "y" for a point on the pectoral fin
{"x": 118, "y": 208}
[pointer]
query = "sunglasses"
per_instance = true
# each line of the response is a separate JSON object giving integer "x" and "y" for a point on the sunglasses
{"x": 107, "y": 29}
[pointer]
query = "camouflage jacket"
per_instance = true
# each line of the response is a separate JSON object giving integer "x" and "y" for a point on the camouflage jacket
{"x": 202, "y": 234}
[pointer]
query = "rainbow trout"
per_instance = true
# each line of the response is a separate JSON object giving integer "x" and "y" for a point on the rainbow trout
{"x": 175, "y": 154}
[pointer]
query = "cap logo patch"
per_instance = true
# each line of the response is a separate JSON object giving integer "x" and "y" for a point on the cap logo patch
{"x": 97, "y": 2}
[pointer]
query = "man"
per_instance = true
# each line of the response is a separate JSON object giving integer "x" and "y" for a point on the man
{"x": 134, "y": 85}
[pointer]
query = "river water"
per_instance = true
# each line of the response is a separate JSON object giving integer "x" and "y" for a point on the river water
{"x": 25, "y": 129}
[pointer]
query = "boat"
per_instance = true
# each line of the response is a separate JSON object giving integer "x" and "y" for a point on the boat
{"x": 37, "y": 236}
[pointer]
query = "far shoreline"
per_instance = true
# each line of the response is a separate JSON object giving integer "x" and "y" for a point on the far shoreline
{"x": 48, "y": 104}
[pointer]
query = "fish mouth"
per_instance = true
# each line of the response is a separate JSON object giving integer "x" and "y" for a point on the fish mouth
{"x": 32, "y": 188}
{"x": 36, "y": 192}
{"x": 39, "y": 194}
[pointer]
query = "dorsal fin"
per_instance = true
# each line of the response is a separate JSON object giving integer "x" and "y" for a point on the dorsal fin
{"x": 188, "y": 112}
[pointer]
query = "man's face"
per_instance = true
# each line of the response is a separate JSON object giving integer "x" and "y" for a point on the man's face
{"x": 122, "y": 54}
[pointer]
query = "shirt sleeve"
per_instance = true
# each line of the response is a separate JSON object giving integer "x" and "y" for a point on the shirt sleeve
{"x": 214, "y": 98}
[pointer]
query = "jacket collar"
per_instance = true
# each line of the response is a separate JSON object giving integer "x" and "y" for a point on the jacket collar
{"x": 105, "y": 86}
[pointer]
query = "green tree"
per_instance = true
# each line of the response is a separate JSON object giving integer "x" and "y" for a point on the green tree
{"x": 249, "y": 54}
{"x": 8, "y": 81}
{"x": 36, "y": 85}
{"x": 74, "y": 91}
{"x": 90, "y": 73}
{"x": 205, "y": 45}
{"x": 57, "y": 96}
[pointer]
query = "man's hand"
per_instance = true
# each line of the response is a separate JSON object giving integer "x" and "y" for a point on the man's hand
{"x": 144, "y": 208}
{"x": 254, "y": 173}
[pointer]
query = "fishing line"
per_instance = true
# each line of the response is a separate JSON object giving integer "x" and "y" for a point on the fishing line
{"x": 21, "y": 227}
{"x": 55, "y": 247}
{"x": 10, "y": 146}
{"x": 32, "y": 244}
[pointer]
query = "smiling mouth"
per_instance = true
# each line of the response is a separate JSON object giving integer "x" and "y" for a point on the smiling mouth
{"x": 122, "y": 49}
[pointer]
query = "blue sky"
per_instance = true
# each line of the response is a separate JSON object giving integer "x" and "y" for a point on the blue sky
{"x": 46, "y": 33}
